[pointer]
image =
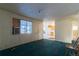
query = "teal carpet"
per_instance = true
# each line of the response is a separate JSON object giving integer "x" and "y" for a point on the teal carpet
{"x": 37, "y": 48}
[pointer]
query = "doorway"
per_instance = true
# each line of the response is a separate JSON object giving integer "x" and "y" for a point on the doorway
{"x": 49, "y": 29}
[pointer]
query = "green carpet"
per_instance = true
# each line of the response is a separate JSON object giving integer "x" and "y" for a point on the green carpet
{"x": 37, "y": 48}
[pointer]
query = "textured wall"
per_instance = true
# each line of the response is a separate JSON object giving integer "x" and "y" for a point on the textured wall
{"x": 7, "y": 39}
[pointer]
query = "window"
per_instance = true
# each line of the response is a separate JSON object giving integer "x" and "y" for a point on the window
{"x": 21, "y": 26}
{"x": 25, "y": 26}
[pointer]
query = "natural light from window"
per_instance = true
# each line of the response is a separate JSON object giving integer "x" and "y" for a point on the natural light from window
{"x": 25, "y": 26}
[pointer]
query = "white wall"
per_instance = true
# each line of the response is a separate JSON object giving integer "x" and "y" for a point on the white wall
{"x": 7, "y": 39}
{"x": 64, "y": 30}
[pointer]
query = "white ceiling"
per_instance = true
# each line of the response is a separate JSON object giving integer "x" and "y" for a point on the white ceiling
{"x": 41, "y": 10}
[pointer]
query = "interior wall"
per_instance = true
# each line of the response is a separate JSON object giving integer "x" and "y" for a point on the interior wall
{"x": 8, "y": 40}
{"x": 64, "y": 30}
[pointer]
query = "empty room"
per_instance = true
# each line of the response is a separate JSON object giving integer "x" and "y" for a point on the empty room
{"x": 39, "y": 29}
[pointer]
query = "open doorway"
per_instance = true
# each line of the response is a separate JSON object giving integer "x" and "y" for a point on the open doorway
{"x": 75, "y": 31}
{"x": 49, "y": 29}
